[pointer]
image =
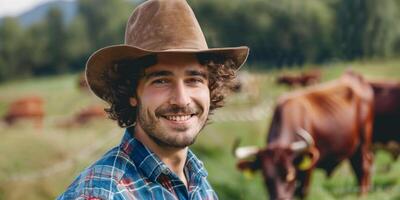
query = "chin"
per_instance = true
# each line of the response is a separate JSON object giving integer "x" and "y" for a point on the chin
{"x": 188, "y": 138}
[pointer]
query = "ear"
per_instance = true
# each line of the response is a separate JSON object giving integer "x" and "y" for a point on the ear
{"x": 133, "y": 101}
{"x": 308, "y": 160}
{"x": 246, "y": 165}
{"x": 248, "y": 168}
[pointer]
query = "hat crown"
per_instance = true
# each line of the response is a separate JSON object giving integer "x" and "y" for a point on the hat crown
{"x": 162, "y": 25}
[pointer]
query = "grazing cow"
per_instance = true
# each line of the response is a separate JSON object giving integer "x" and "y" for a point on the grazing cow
{"x": 26, "y": 108}
{"x": 386, "y": 131}
{"x": 337, "y": 116}
{"x": 304, "y": 79}
{"x": 85, "y": 116}
{"x": 90, "y": 113}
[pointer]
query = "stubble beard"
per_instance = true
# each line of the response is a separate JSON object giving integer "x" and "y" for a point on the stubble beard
{"x": 150, "y": 124}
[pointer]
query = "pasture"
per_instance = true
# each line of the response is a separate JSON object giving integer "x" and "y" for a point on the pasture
{"x": 41, "y": 163}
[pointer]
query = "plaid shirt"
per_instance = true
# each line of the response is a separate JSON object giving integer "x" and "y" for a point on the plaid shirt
{"x": 132, "y": 171}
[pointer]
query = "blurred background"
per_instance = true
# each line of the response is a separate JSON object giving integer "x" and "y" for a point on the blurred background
{"x": 52, "y": 127}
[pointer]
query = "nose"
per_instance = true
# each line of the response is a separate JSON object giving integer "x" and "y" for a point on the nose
{"x": 180, "y": 94}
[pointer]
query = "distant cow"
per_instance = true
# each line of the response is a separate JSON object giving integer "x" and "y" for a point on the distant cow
{"x": 85, "y": 116}
{"x": 317, "y": 127}
{"x": 303, "y": 79}
{"x": 30, "y": 108}
{"x": 386, "y": 131}
{"x": 90, "y": 113}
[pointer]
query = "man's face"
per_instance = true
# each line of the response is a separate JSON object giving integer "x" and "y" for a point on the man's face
{"x": 173, "y": 100}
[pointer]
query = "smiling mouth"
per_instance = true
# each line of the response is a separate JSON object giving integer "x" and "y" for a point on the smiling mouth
{"x": 178, "y": 118}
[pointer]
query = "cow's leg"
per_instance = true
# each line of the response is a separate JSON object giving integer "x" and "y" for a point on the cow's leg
{"x": 304, "y": 176}
{"x": 361, "y": 161}
{"x": 304, "y": 182}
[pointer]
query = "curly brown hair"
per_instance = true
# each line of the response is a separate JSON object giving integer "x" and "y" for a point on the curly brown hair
{"x": 123, "y": 79}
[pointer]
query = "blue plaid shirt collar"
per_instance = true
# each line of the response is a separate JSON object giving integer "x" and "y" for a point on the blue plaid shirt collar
{"x": 151, "y": 165}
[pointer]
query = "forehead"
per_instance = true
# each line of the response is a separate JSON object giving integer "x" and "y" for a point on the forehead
{"x": 176, "y": 62}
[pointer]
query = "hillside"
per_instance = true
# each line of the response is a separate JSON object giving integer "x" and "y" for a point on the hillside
{"x": 68, "y": 8}
{"x": 38, "y": 13}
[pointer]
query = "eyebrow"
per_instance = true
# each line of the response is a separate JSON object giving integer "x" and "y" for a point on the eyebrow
{"x": 196, "y": 73}
{"x": 158, "y": 74}
{"x": 162, "y": 73}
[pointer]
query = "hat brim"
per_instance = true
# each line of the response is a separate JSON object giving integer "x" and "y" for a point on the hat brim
{"x": 100, "y": 61}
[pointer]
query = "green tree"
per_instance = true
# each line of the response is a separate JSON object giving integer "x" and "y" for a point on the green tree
{"x": 36, "y": 48}
{"x": 367, "y": 28}
{"x": 105, "y": 21}
{"x": 56, "y": 45}
{"x": 279, "y": 32}
{"x": 382, "y": 28}
{"x": 78, "y": 44}
{"x": 45, "y": 45}
{"x": 10, "y": 45}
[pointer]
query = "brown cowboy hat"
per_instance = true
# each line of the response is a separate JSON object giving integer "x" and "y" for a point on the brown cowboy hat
{"x": 156, "y": 26}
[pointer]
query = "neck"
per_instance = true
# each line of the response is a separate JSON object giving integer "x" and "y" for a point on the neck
{"x": 173, "y": 157}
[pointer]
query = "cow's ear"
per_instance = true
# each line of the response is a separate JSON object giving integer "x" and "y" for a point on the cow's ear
{"x": 247, "y": 165}
{"x": 248, "y": 168}
{"x": 307, "y": 160}
{"x": 305, "y": 163}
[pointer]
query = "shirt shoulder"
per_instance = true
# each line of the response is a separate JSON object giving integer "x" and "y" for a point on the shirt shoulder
{"x": 102, "y": 179}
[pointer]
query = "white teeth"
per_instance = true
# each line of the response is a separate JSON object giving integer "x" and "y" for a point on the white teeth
{"x": 178, "y": 118}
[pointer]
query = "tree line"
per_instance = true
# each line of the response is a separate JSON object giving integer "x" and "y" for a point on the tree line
{"x": 279, "y": 33}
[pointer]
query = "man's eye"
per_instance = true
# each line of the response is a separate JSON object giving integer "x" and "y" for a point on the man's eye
{"x": 196, "y": 80}
{"x": 160, "y": 81}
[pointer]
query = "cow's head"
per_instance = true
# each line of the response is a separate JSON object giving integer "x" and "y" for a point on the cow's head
{"x": 280, "y": 164}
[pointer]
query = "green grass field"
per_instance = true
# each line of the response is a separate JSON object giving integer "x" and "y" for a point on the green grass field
{"x": 40, "y": 164}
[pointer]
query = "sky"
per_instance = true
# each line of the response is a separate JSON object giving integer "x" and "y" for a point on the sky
{"x": 16, "y": 7}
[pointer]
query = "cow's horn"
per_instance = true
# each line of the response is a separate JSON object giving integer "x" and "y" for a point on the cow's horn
{"x": 303, "y": 144}
{"x": 245, "y": 152}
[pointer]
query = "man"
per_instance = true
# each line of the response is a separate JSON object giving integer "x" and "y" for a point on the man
{"x": 161, "y": 85}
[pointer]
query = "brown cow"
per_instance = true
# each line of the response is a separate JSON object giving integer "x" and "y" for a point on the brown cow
{"x": 90, "y": 113}
{"x": 26, "y": 108}
{"x": 386, "y": 131}
{"x": 303, "y": 79}
{"x": 337, "y": 116}
{"x": 84, "y": 116}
